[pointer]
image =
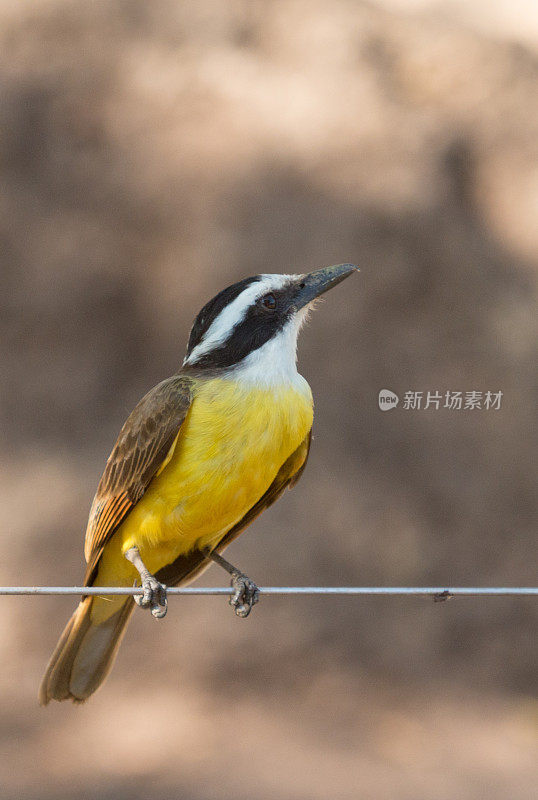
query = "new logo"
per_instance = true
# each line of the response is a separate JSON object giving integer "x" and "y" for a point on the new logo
{"x": 387, "y": 400}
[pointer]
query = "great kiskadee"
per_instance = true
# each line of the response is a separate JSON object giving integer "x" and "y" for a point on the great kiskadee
{"x": 201, "y": 455}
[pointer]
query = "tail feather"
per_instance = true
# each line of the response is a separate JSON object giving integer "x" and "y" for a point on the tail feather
{"x": 84, "y": 654}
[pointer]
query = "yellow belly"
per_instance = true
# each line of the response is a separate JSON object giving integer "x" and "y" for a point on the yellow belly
{"x": 229, "y": 450}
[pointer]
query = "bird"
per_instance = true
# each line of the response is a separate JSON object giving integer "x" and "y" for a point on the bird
{"x": 199, "y": 458}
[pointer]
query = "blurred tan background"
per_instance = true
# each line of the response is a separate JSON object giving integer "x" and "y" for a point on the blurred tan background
{"x": 152, "y": 153}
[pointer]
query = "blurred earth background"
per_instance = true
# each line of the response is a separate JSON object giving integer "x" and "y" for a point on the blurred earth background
{"x": 152, "y": 153}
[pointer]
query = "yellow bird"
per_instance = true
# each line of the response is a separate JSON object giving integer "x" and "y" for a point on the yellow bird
{"x": 201, "y": 455}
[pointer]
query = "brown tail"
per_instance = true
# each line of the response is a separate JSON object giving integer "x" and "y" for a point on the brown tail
{"x": 84, "y": 654}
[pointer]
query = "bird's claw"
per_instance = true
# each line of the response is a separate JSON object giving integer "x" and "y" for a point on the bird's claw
{"x": 246, "y": 594}
{"x": 153, "y": 596}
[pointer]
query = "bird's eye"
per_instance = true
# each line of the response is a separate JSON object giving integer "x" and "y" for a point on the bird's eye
{"x": 269, "y": 301}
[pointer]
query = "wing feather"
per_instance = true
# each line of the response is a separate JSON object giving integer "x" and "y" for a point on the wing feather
{"x": 144, "y": 445}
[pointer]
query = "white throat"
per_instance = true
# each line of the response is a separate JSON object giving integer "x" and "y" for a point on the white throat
{"x": 275, "y": 362}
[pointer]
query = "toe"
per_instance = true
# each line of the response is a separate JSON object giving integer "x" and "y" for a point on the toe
{"x": 159, "y": 611}
{"x": 160, "y": 607}
{"x": 147, "y": 598}
{"x": 246, "y": 594}
{"x": 153, "y": 596}
{"x": 237, "y": 597}
{"x": 143, "y": 600}
{"x": 243, "y": 610}
{"x": 137, "y": 597}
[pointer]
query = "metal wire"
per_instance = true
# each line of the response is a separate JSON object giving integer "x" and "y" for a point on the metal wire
{"x": 438, "y": 592}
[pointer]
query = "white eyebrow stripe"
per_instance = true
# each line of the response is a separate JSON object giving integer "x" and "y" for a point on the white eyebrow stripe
{"x": 224, "y": 324}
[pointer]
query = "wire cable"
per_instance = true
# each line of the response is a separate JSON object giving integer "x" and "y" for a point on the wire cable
{"x": 438, "y": 592}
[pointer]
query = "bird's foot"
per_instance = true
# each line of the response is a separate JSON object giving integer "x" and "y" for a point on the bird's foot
{"x": 245, "y": 596}
{"x": 153, "y": 596}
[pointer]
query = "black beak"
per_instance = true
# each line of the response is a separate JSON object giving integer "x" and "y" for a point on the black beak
{"x": 314, "y": 284}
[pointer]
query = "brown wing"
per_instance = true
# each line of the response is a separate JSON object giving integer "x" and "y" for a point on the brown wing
{"x": 144, "y": 446}
{"x": 187, "y": 566}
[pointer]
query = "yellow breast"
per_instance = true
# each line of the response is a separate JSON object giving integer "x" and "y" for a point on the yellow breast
{"x": 229, "y": 450}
